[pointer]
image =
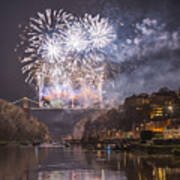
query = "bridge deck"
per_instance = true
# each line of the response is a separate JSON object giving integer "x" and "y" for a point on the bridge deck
{"x": 68, "y": 109}
{"x": 26, "y": 105}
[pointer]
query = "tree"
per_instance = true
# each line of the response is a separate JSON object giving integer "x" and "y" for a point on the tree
{"x": 16, "y": 125}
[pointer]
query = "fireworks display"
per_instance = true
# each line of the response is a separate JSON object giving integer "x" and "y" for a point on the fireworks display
{"x": 80, "y": 62}
{"x": 64, "y": 57}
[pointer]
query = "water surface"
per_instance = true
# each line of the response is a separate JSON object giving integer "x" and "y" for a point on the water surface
{"x": 77, "y": 164}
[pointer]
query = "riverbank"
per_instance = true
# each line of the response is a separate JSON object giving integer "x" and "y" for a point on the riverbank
{"x": 130, "y": 145}
{"x": 156, "y": 149}
{"x": 18, "y": 143}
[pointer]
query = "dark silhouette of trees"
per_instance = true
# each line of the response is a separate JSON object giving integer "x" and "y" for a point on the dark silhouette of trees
{"x": 15, "y": 125}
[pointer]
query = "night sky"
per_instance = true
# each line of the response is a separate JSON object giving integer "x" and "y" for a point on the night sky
{"x": 14, "y": 12}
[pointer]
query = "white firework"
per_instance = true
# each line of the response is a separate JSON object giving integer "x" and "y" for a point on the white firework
{"x": 89, "y": 35}
{"x": 63, "y": 51}
{"x": 100, "y": 32}
{"x": 75, "y": 39}
{"x": 42, "y": 41}
{"x": 50, "y": 49}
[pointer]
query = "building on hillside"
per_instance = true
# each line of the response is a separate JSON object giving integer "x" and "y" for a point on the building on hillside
{"x": 162, "y": 100}
{"x": 172, "y": 134}
{"x": 140, "y": 100}
{"x": 157, "y": 111}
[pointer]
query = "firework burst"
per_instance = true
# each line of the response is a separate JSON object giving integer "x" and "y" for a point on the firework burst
{"x": 61, "y": 50}
{"x": 89, "y": 36}
{"x": 41, "y": 41}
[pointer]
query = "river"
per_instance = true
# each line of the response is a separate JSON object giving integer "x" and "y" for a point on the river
{"x": 78, "y": 164}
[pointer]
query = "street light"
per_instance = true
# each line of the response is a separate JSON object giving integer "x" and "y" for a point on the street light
{"x": 170, "y": 108}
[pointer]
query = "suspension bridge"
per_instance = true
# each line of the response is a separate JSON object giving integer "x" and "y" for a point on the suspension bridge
{"x": 60, "y": 120}
{"x": 33, "y": 105}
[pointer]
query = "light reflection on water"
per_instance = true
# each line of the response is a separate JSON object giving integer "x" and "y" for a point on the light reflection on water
{"x": 80, "y": 175}
{"x": 78, "y": 164}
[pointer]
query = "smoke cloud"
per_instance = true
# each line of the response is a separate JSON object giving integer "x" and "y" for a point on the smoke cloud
{"x": 147, "y": 51}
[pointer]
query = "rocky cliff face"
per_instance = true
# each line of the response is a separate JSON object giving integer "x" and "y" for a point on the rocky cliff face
{"x": 96, "y": 124}
{"x": 80, "y": 129}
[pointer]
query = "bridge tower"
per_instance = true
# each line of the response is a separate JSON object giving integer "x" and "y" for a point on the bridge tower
{"x": 25, "y": 103}
{"x": 25, "y": 106}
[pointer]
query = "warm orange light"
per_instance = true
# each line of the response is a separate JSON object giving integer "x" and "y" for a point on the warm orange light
{"x": 157, "y": 129}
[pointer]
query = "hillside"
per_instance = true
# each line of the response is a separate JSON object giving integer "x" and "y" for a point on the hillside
{"x": 17, "y": 125}
{"x": 137, "y": 110}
